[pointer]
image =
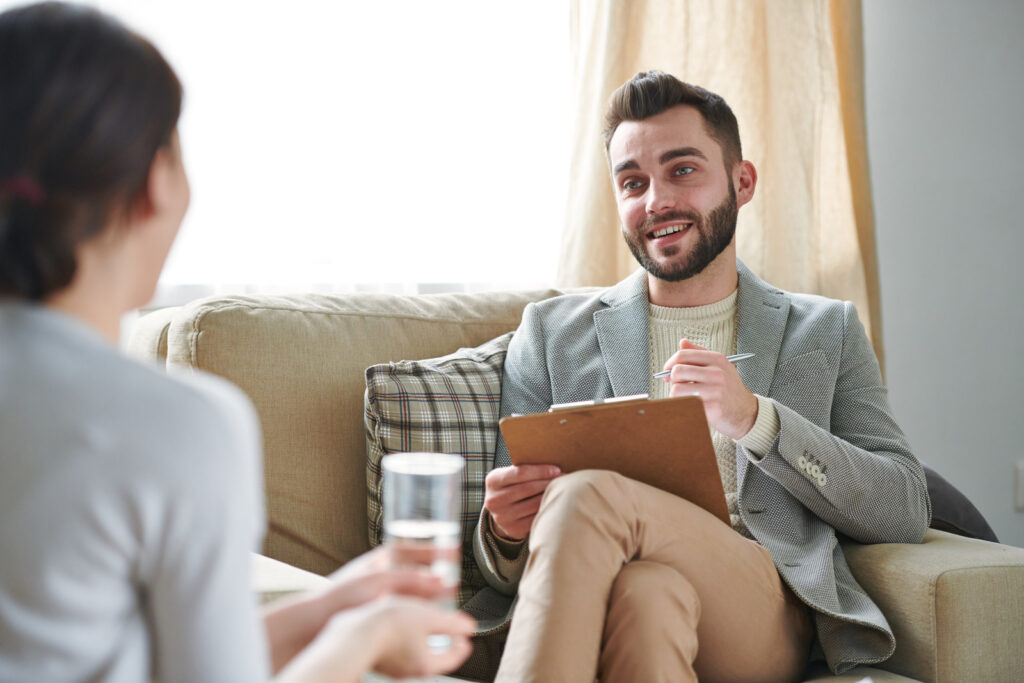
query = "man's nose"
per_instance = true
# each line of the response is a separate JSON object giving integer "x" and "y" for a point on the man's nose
{"x": 659, "y": 198}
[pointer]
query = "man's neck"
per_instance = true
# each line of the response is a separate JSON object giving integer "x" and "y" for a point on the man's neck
{"x": 714, "y": 283}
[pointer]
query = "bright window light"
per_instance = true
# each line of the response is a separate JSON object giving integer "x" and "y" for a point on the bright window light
{"x": 333, "y": 144}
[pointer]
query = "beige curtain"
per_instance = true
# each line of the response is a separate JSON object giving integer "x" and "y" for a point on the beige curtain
{"x": 792, "y": 70}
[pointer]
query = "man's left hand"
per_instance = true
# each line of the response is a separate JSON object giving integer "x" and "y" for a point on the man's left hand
{"x": 730, "y": 407}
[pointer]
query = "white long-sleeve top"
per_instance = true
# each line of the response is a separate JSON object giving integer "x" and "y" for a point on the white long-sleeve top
{"x": 130, "y": 502}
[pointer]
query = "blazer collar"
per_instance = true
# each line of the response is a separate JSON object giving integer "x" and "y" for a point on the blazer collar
{"x": 761, "y": 324}
{"x": 760, "y": 327}
{"x": 628, "y": 290}
{"x": 623, "y": 336}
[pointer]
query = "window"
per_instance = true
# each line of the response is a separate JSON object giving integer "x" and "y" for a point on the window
{"x": 332, "y": 145}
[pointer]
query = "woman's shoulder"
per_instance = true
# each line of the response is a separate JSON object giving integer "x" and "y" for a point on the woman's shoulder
{"x": 195, "y": 411}
{"x": 98, "y": 426}
{"x": 187, "y": 439}
{"x": 66, "y": 375}
{"x": 190, "y": 425}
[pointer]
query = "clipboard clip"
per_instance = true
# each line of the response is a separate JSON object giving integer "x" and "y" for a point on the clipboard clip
{"x": 596, "y": 402}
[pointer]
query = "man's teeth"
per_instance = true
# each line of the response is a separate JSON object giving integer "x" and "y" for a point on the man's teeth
{"x": 667, "y": 231}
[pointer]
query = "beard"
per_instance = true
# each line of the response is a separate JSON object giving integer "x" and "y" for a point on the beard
{"x": 715, "y": 231}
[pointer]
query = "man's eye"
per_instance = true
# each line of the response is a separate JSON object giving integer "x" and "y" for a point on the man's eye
{"x": 685, "y": 170}
{"x": 631, "y": 185}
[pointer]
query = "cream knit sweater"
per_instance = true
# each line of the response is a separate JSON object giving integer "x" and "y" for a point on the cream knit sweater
{"x": 714, "y": 327}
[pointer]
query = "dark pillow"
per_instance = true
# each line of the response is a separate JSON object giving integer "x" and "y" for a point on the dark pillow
{"x": 952, "y": 512}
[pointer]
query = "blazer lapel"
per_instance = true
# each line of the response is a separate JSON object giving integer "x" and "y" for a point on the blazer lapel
{"x": 763, "y": 311}
{"x": 623, "y": 336}
{"x": 761, "y": 325}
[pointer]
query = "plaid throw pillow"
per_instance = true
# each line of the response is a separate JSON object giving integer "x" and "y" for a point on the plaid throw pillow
{"x": 441, "y": 405}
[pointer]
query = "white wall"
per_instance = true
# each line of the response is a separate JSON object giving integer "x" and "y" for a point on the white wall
{"x": 945, "y": 114}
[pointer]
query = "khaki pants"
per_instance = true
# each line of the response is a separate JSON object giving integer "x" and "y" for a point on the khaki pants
{"x": 628, "y": 583}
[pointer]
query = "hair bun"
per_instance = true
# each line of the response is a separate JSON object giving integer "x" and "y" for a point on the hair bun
{"x": 23, "y": 188}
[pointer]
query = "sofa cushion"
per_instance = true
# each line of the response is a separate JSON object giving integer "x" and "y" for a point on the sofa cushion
{"x": 440, "y": 405}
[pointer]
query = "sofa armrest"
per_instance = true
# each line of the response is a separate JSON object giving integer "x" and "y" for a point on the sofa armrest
{"x": 956, "y": 605}
{"x": 148, "y": 339}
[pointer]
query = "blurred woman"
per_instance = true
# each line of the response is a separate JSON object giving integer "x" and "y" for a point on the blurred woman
{"x": 130, "y": 501}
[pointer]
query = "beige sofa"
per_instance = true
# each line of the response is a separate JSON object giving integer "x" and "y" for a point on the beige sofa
{"x": 955, "y": 604}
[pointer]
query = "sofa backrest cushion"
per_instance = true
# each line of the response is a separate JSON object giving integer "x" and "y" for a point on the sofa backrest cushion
{"x": 302, "y": 359}
{"x": 440, "y": 405}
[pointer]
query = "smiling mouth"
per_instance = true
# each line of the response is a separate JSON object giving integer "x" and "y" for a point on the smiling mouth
{"x": 668, "y": 230}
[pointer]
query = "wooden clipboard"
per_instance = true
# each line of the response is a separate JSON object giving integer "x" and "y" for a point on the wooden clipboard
{"x": 664, "y": 442}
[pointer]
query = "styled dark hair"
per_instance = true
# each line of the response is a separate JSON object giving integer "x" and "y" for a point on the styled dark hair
{"x": 85, "y": 104}
{"x": 650, "y": 93}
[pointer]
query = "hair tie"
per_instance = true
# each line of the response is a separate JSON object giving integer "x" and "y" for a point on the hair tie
{"x": 24, "y": 188}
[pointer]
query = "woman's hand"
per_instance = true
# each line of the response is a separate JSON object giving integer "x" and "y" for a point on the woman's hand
{"x": 388, "y": 636}
{"x": 370, "y": 576}
{"x": 292, "y": 623}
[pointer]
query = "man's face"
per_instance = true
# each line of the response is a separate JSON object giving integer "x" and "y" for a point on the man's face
{"x": 677, "y": 203}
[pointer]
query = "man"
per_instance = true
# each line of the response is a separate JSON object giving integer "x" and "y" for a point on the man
{"x": 626, "y": 582}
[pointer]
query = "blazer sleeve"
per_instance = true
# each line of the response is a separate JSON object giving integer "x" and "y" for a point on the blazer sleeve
{"x": 858, "y": 474}
{"x": 525, "y": 389}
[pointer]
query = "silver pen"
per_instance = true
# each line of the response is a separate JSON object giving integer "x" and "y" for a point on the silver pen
{"x": 735, "y": 358}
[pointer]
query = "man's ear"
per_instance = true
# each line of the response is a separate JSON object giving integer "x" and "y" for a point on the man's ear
{"x": 744, "y": 178}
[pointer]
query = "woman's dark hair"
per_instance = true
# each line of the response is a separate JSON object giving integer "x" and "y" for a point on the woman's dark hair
{"x": 85, "y": 104}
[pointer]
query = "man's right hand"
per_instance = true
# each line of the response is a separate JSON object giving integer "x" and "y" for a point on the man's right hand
{"x": 512, "y": 497}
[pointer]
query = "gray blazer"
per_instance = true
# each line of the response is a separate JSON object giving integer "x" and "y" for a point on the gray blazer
{"x": 814, "y": 361}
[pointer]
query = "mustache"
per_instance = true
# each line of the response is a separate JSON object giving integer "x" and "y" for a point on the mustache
{"x": 651, "y": 222}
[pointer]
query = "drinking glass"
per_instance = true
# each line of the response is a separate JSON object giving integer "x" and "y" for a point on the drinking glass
{"x": 422, "y": 501}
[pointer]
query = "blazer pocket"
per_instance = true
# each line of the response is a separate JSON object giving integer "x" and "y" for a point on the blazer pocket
{"x": 811, "y": 365}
